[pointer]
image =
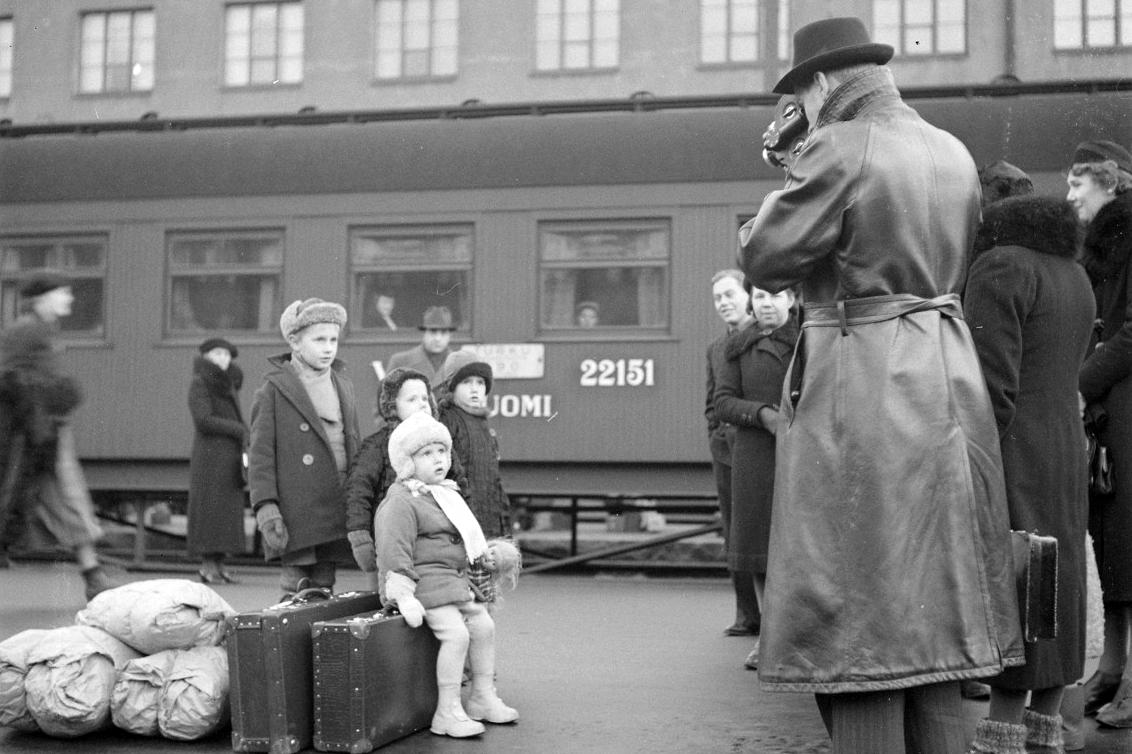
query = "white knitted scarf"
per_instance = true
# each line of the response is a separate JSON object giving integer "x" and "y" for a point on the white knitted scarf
{"x": 447, "y": 496}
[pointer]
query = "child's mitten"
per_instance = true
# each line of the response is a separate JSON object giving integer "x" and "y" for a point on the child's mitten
{"x": 402, "y": 590}
{"x": 364, "y": 553}
{"x": 270, "y": 523}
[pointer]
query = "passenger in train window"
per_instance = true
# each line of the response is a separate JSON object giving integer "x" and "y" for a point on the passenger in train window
{"x": 732, "y": 304}
{"x": 889, "y": 575}
{"x": 748, "y": 389}
{"x": 42, "y": 487}
{"x": 462, "y": 386}
{"x": 304, "y": 431}
{"x": 384, "y": 304}
{"x": 588, "y": 314}
{"x": 216, "y": 466}
{"x": 436, "y": 333}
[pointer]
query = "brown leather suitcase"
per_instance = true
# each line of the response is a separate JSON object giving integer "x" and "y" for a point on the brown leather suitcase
{"x": 374, "y": 681}
{"x": 269, "y": 668}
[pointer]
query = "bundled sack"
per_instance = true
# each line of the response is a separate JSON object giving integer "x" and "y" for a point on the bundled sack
{"x": 13, "y": 668}
{"x": 158, "y": 614}
{"x": 71, "y": 674}
{"x": 194, "y": 701}
{"x": 133, "y": 702}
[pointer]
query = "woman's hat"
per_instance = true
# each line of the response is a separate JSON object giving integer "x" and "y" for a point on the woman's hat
{"x": 211, "y": 343}
{"x": 437, "y": 318}
{"x": 829, "y": 44}
{"x": 1101, "y": 151}
{"x": 42, "y": 281}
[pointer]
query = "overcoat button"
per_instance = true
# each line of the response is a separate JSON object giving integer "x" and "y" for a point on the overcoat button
{"x": 308, "y": 459}
{"x": 304, "y": 427}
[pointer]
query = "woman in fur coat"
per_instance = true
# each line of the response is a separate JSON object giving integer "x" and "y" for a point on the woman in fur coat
{"x": 216, "y": 474}
{"x": 1030, "y": 309}
{"x": 1100, "y": 187}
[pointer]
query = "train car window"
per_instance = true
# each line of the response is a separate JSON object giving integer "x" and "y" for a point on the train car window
{"x": 224, "y": 280}
{"x": 605, "y": 274}
{"x": 577, "y": 34}
{"x": 6, "y": 57}
{"x": 399, "y": 271}
{"x": 263, "y": 44}
{"x": 82, "y": 258}
{"x": 416, "y": 38}
{"x": 116, "y": 52}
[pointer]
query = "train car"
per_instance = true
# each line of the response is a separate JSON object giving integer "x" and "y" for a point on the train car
{"x": 515, "y": 217}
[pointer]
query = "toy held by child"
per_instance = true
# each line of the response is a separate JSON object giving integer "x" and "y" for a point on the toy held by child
{"x": 427, "y": 541}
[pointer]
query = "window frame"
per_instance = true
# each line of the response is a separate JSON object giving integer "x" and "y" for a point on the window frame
{"x": 773, "y": 36}
{"x": 1121, "y": 27}
{"x": 572, "y": 223}
{"x": 7, "y": 55}
{"x": 104, "y": 67}
{"x": 901, "y": 50}
{"x": 249, "y": 78}
{"x": 174, "y": 270}
{"x": 402, "y": 51}
{"x": 9, "y": 280}
{"x": 407, "y": 331}
{"x": 561, "y": 42}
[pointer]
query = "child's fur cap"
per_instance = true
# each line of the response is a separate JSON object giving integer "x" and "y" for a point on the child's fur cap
{"x": 410, "y": 436}
{"x": 302, "y": 314}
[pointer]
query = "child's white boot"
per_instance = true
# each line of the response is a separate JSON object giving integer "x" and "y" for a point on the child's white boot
{"x": 484, "y": 704}
{"x": 450, "y": 718}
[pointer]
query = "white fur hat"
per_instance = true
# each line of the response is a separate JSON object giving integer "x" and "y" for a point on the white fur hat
{"x": 313, "y": 311}
{"x": 410, "y": 436}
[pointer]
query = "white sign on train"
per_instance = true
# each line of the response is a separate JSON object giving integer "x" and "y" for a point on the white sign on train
{"x": 512, "y": 361}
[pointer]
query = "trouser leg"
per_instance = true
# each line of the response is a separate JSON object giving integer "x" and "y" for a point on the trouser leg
{"x": 870, "y": 722}
{"x": 933, "y": 719}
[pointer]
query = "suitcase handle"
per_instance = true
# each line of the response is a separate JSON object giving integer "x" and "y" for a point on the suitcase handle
{"x": 309, "y": 595}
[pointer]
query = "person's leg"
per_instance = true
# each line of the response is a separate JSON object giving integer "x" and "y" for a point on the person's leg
{"x": 1100, "y": 689}
{"x": 1043, "y": 721}
{"x": 1002, "y": 731}
{"x": 871, "y": 722}
{"x": 1118, "y": 712}
{"x": 484, "y": 703}
{"x": 95, "y": 578}
{"x": 447, "y": 623}
{"x": 758, "y": 584}
{"x": 323, "y": 574}
{"x": 933, "y": 719}
{"x": 293, "y": 578}
{"x": 210, "y": 568}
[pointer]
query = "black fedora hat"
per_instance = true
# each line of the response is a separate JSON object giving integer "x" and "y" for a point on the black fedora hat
{"x": 828, "y": 44}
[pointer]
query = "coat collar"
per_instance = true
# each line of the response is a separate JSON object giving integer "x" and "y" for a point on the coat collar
{"x": 875, "y": 86}
{"x": 741, "y": 342}
{"x": 1108, "y": 239}
{"x": 283, "y": 377}
{"x": 217, "y": 379}
{"x": 1043, "y": 224}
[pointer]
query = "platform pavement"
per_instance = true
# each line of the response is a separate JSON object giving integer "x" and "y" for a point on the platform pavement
{"x": 593, "y": 664}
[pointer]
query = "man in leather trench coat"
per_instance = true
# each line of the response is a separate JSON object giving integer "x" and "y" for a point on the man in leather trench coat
{"x": 890, "y": 576}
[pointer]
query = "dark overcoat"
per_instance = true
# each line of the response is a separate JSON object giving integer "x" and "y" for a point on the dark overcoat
{"x": 216, "y": 479}
{"x": 1106, "y": 378}
{"x": 291, "y": 461}
{"x": 1030, "y": 308}
{"x": 416, "y": 358}
{"x": 890, "y": 563}
{"x": 749, "y": 379}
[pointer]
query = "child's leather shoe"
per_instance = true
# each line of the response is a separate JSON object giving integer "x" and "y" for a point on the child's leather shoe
{"x": 487, "y": 706}
{"x": 451, "y": 720}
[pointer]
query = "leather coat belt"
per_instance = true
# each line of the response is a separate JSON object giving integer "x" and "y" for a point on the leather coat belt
{"x": 862, "y": 311}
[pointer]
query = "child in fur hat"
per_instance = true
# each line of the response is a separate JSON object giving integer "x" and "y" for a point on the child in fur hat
{"x": 427, "y": 541}
{"x": 464, "y": 383}
{"x": 304, "y": 430}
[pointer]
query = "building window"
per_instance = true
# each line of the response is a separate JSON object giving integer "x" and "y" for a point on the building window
{"x": 263, "y": 44}
{"x": 416, "y": 38}
{"x": 116, "y": 53}
{"x": 1089, "y": 24}
{"x": 744, "y": 31}
{"x": 81, "y": 258}
{"x": 224, "y": 280}
{"x": 5, "y": 57}
{"x": 577, "y": 34}
{"x": 607, "y": 274}
{"x": 921, "y": 27}
{"x": 399, "y": 271}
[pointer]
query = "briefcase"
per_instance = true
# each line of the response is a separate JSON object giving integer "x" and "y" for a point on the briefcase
{"x": 374, "y": 680}
{"x": 1035, "y": 567}
{"x": 269, "y": 668}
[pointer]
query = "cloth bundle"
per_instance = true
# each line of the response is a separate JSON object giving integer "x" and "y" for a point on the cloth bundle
{"x": 178, "y": 694}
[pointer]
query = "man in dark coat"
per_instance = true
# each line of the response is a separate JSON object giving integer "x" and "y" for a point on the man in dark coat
{"x": 889, "y": 575}
{"x": 436, "y": 332}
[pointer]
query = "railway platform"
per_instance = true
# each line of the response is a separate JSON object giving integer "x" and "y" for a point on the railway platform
{"x": 602, "y": 662}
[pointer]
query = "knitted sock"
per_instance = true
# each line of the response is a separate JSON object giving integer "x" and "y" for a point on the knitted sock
{"x": 1043, "y": 732}
{"x": 994, "y": 737}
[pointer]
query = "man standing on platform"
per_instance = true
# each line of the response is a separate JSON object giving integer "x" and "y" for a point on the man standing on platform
{"x": 890, "y": 577}
{"x": 436, "y": 331}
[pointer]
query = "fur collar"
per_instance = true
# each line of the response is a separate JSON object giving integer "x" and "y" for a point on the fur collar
{"x": 216, "y": 379}
{"x": 743, "y": 341}
{"x": 1108, "y": 239}
{"x": 1040, "y": 223}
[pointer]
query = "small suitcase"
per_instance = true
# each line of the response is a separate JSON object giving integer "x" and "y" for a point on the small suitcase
{"x": 374, "y": 681}
{"x": 269, "y": 668}
{"x": 1036, "y": 569}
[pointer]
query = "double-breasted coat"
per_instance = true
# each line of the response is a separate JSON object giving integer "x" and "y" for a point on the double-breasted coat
{"x": 1106, "y": 378}
{"x": 216, "y": 476}
{"x": 890, "y": 563}
{"x": 750, "y": 378}
{"x": 1030, "y": 308}
{"x": 290, "y": 459}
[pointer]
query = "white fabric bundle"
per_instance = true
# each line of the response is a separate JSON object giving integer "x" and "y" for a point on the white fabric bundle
{"x": 159, "y": 614}
{"x": 1094, "y": 603}
{"x": 194, "y": 701}
{"x": 71, "y": 674}
{"x": 133, "y": 703}
{"x": 13, "y": 668}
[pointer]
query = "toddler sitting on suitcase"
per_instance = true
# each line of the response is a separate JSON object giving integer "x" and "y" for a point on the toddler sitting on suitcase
{"x": 428, "y": 541}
